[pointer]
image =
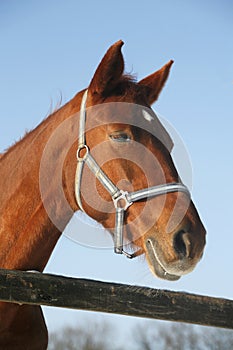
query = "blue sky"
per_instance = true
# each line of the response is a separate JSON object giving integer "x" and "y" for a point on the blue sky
{"x": 51, "y": 48}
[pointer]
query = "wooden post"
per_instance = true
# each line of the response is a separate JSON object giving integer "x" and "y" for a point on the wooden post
{"x": 51, "y": 290}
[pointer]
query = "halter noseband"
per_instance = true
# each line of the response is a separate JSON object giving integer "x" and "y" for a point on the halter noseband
{"x": 122, "y": 200}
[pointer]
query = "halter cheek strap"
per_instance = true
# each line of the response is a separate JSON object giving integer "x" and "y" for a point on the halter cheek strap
{"x": 122, "y": 200}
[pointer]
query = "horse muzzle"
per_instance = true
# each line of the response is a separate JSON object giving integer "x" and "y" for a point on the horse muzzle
{"x": 181, "y": 259}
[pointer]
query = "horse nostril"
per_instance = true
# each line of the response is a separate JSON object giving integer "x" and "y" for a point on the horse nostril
{"x": 182, "y": 244}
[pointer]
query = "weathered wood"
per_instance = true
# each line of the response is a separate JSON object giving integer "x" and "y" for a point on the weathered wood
{"x": 51, "y": 290}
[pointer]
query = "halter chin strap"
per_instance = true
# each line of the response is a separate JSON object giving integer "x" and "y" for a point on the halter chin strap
{"x": 122, "y": 200}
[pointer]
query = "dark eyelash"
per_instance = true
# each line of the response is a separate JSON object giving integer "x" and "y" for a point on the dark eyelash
{"x": 120, "y": 137}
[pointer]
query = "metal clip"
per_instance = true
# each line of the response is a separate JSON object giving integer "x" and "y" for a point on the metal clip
{"x": 121, "y": 201}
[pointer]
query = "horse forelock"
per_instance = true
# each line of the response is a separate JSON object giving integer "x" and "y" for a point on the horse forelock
{"x": 127, "y": 89}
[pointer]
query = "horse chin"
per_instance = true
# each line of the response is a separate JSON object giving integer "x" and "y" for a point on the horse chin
{"x": 158, "y": 270}
{"x": 156, "y": 266}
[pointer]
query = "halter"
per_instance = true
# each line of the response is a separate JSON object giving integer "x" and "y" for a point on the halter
{"x": 122, "y": 200}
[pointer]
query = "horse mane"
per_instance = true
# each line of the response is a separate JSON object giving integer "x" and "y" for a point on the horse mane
{"x": 53, "y": 108}
{"x": 126, "y": 86}
{"x": 16, "y": 143}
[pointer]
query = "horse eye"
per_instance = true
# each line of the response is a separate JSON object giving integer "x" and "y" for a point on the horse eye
{"x": 120, "y": 137}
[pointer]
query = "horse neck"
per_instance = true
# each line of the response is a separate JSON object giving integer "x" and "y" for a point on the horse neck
{"x": 27, "y": 233}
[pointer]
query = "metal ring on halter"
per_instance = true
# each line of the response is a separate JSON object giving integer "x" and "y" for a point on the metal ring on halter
{"x": 81, "y": 148}
{"x": 122, "y": 199}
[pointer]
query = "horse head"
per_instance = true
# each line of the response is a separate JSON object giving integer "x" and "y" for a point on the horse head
{"x": 131, "y": 149}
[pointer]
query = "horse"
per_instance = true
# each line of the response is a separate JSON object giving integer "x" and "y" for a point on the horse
{"x": 106, "y": 153}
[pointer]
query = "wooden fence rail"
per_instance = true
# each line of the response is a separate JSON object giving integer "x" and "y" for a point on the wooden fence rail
{"x": 52, "y": 290}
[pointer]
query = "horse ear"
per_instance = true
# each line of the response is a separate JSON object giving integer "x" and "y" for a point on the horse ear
{"x": 155, "y": 82}
{"x": 109, "y": 70}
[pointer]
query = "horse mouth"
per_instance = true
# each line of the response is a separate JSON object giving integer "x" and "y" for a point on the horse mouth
{"x": 155, "y": 264}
